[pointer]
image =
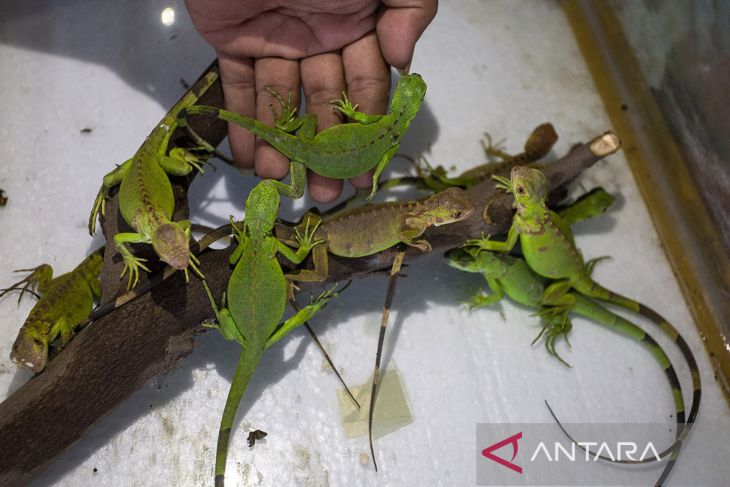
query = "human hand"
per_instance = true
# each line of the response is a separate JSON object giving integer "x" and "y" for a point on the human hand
{"x": 324, "y": 46}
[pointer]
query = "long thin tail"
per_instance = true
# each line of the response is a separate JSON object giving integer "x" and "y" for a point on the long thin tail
{"x": 278, "y": 138}
{"x": 394, "y": 272}
{"x": 598, "y": 313}
{"x": 323, "y": 350}
{"x": 595, "y": 290}
{"x": 250, "y": 358}
{"x": 670, "y": 330}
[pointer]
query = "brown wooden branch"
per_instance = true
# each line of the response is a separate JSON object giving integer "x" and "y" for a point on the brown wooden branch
{"x": 122, "y": 351}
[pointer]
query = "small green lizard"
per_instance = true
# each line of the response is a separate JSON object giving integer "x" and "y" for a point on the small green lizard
{"x": 146, "y": 199}
{"x": 341, "y": 151}
{"x": 63, "y": 303}
{"x": 256, "y": 295}
{"x": 549, "y": 249}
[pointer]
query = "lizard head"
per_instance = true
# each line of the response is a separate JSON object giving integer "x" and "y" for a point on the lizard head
{"x": 262, "y": 207}
{"x": 528, "y": 185}
{"x": 30, "y": 349}
{"x": 407, "y": 97}
{"x": 472, "y": 259}
{"x": 448, "y": 206}
{"x": 171, "y": 244}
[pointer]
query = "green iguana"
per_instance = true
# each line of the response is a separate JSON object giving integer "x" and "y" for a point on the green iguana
{"x": 549, "y": 249}
{"x": 341, "y": 151}
{"x": 63, "y": 303}
{"x": 146, "y": 199}
{"x": 256, "y": 296}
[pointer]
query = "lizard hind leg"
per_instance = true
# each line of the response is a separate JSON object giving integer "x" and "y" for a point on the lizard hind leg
{"x": 553, "y": 328}
{"x": 111, "y": 179}
{"x": 35, "y": 283}
{"x": 379, "y": 169}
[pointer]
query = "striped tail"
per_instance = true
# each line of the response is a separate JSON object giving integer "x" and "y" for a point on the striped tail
{"x": 598, "y": 313}
{"x": 592, "y": 289}
{"x": 670, "y": 330}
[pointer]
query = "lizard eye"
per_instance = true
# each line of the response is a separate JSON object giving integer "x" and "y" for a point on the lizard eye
{"x": 520, "y": 189}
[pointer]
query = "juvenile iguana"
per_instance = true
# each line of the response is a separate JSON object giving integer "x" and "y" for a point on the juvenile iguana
{"x": 146, "y": 199}
{"x": 359, "y": 232}
{"x": 341, "y": 151}
{"x": 256, "y": 297}
{"x": 549, "y": 249}
{"x": 63, "y": 303}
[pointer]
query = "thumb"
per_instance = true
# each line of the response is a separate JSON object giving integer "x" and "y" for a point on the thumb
{"x": 400, "y": 25}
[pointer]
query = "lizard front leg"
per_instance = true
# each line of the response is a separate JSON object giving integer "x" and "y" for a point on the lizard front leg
{"x": 487, "y": 244}
{"x": 132, "y": 264}
{"x": 193, "y": 261}
{"x": 410, "y": 234}
{"x": 482, "y": 299}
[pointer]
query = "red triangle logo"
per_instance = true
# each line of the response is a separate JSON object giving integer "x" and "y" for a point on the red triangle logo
{"x": 487, "y": 452}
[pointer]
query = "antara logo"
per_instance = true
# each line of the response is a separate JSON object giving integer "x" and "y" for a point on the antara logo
{"x": 487, "y": 452}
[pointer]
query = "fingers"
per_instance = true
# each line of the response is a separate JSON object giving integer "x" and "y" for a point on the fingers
{"x": 282, "y": 76}
{"x": 239, "y": 92}
{"x": 323, "y": 80}
{"x": 400, "y": 25}
{"x": 368, "y": 83}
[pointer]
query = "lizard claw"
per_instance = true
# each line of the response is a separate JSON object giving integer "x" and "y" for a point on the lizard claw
{"x": 493, "y": 149}
{"x": 286, "y": 120}
{"x": 345, "y": 106}
{"x": 30, "y": 283}
{"x": 503, "y": 183}
{"x": 132, "y": 265}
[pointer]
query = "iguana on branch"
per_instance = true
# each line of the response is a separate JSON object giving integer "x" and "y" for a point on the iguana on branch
{"x": 370, "y": 229}
{"x": 63, "y": 303}
{"x": 341, "y": 151}
{"x": 549, "y": 249}
{"x": 146, "y": 200}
